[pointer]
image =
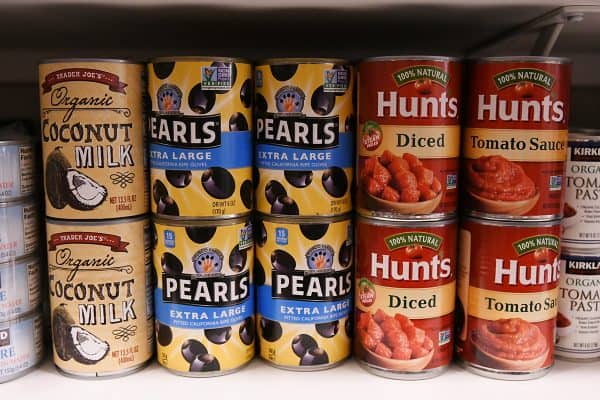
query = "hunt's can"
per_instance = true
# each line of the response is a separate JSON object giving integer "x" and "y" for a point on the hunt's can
{"x": 409, "y": 136}
{"x": 507, "y": 297}
{"x": 20, "y": 287}
{"x": 581, "y": 210}
{"x": 304, "y": 136}
{"x": 200, "y": 142}
{"x": 19, "y": 230}
{"x": 100, "y": 281}
{"x": 93, "y": 129}
{"x": 304, "y": 285}
{"x": 17, "y": 158}
{"x": 405, "y": 293}
{"x": 21, "y": 345}
{"x": 578, "y": 320}
{"x": 514, "y": 145}
{"x": 204, "y": 298}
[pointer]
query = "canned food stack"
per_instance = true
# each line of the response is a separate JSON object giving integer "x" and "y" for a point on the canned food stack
{"x": 514, "y": 148}
{"x": 304, "y": 255}
{"x": 202, "y": 196}
{"x": 577, "y": 328}
{"x": 21, "y": 321}
{"x": 408, "y": 157}
{"x": 97, "y": 225}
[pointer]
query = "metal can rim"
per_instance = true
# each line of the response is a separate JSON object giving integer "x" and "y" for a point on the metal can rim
{"x": 405, "y": 218}
{"x": 409, "y": 57}
{"x": 379, "y": 221}
{"x": 301, "y": 60}
{"x": 515, "y": 223}
{"x": 199, "y": 58}
{"x": 512, "y": 218}
{"x": 296, "y": 219}
{"x": 31, "y": 314}
{"x": 35, "y": 256}
{"x": 584, "y": 134}
{"x": 201, "y": 222}
{"x": 89, "y": 222}
{"x": 523, "y": 59}
{"x": 96, "y": 60}
{"x": 19, "y": 201}
{"x": 585, "y": 251}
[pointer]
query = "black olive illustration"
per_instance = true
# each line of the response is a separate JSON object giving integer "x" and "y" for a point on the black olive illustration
{"x": 316, "y": 356}
{"x": 350, "y": 124}
{"x": 246, "y": 93}
{"x": 205, "y": 363}
{"x": 260, "y": 104}
{"x": 171, "y": 264}
{"x": 271, "y": 330}
{"x": 220, "y": 64}
{"x": 349, "y": 327}
{"x": 247, "y": 194}
{"x": 328, "y": 329}
{"x": 201, "y": 101}
{"x": 167, "y": 206}
{"x": 284, "y": 72}
{"x": 238, "y": 122}
{"x": 200, "y": 234}
{"x": 164, "y": 334}
{"x": 159, "y": 191}
{"x": 237, "y": 259}
{"x": 255, "y": 177}
{"x": 314, "y": 231}
{"x": 273, "y": 190}
{"x": 247, "y": 331}
{"x": 179, "y": 179}
{"x": 283, "y": 261}
{"x": 218, "y": 335}
{"x": 261, "y": 233}
{"x": 218, "y": 182}
{"x": 346, "y": 254}
{"x": 285, "y": 205}
{"x": 259, "y": 273}
{"x": 299, "y": 179}
{"x": 322, "y": 102}
{"x": 335, "y": 181}
{"x": 163, "y": 69}
{"x": 303, "y": 343}
{"x": 191, "y": 348}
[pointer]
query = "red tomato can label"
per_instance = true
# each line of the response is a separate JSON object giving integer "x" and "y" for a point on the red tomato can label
{"x": 507, "y": 297}
{"x": 404, "y": 296}
{"x": 515, "y": 143}
{"x": 408, "y": 136}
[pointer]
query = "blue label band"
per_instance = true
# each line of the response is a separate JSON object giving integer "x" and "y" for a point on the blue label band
{"x": 300, "y": 312}
{"x": 235, "y": 151}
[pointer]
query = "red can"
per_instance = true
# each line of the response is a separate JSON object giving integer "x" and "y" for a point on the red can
{"x": 507, "y": 297}
{"x": 405, "y": 296}
{"x": 408, "y": 136}
{"x": 515, "y": 141}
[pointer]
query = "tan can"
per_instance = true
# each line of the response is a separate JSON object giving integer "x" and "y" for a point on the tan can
{"x": 93, "y": 147}
{"x": 100, "y": 282}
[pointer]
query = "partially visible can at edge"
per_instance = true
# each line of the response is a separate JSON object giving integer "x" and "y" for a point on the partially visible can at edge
{"x": 305, "y": 127}
{"x": 100, "y": 298}
{"x": 17, "y": 158}
{"x": 20, "y": 287}
{"x": 201, "y": 152}
{"x": 408, "y": 139}
{"x": 204, "y": 298}
{"x": 303, "y": 278}
{"x": 21, "y": 345}
{"x": 19, "y": 230}
{"x": 507, "y": 297}
{"x": 93, "y": 138}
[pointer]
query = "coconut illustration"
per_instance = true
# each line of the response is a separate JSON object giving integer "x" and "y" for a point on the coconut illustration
{"x": 83, "y": 192}
{"x": 56, "y": 172}
{"x": 61, "y": 327}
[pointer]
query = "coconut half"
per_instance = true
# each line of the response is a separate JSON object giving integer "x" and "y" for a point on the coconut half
{"x": 84, "y": 192}
{"x": 87, "y": 348}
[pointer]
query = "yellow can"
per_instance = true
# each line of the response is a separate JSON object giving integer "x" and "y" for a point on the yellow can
{"x": 200, "y": 140}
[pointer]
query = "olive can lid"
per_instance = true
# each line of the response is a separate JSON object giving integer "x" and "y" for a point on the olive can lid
{"x": 302, "y": 60}
{"x": 295, "y": 219}
{"x": 223, "y": 59}
{"x": 415, "y": 57}
{"x": 518, "y": 59}
{"x": 200, "y": 222}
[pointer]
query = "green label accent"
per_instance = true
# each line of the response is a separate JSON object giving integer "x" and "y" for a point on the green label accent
{"x": 417, "y": 72}
{"x": 533, "y": 243}
{"x": 364, "y": 282}
{"x": 425, "y": 239}
{"x": 514, "y": 76}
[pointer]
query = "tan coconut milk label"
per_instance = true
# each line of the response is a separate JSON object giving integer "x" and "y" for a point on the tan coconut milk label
{"x": 101, "y": 310}
{"x": 93, "y": 139}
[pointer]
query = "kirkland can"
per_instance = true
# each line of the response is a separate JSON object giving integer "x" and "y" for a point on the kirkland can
{"x": 100, "y": 303}
{"x": 21, "y": 345}
{"x": 408, "y": 136}
{"x": 20, "y": 290}
{"x": 204, "y": 298}
{"x": 581, "y": 210}
{"x": 93, "y": 131}
{"x": 405, "y": 293}
{"x": 578, "y": 320}
{"x": 507, "y": 297}
{"x": 304, "y": 136}
{"x": 200, "y": 142}
{"x": 19, "y": 231}
{"x": 303, "y": 283}
{"x": 514, "y": 144}
{"x": 17, "y": 158}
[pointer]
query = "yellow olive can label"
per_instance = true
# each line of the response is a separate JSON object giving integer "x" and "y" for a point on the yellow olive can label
{"x": 100, "y": 281}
